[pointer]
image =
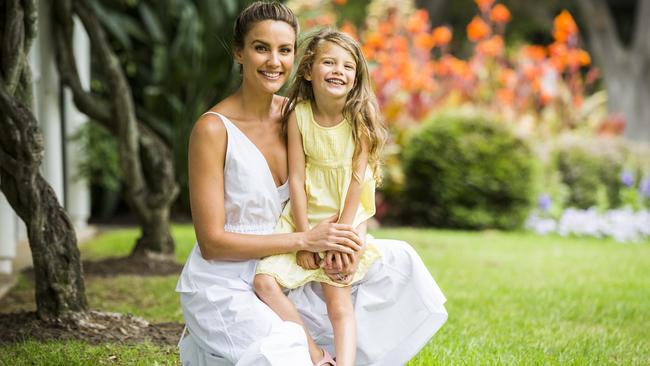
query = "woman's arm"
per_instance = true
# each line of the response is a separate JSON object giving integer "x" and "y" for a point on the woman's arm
{"x": 207, "y": 151}
{"x": 297, "y": 192}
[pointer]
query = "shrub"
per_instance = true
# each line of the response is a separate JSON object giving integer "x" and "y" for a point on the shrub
{"x": 591, "y": 169}
{"x": 467, "y": 171}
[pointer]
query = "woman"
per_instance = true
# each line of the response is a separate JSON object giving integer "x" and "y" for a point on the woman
{"x": 238, "y": 173}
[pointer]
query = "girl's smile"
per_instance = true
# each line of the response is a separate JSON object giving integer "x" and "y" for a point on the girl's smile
{"x": 333, "y": 71}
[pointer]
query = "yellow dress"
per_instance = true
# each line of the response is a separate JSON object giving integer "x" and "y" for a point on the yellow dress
{"x": 328, "y": 173}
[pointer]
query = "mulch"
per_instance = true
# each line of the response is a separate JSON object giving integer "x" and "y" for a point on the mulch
{"x": 131, "y": 265}
{"x": 93, "y": 327}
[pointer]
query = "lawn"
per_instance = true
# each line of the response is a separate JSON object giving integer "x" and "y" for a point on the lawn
{"x": 513, "y": 299}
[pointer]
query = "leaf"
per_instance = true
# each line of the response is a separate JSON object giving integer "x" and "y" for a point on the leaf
{"x": 152, "y": 23}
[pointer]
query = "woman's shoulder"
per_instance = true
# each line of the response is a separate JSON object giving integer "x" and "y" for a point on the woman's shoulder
{"x": 209, "y": 127}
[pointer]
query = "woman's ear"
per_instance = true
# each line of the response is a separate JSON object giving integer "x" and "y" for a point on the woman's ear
{"x": 308, "y": 74}
{"x": 237, "y": 52}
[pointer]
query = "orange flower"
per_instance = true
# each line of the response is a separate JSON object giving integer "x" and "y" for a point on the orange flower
{"x": 508, "y": 77}
{"x": 535, "y": 53}
{"x": 369, "y": 52}
{"x": 374, "y": 40}
{"x": 385, "y": 28}
{"x": 564, "y": 27}
{"x": 578, "y": 57}
{"x": 350, "y": 29}
{"x": 505, "y": 96}
{"x": 500, "y": 14}
{"x": 484, "y": 5}
{"x": 491, "y": 47}
{"x": 418, "y": 21}
{"x": 400, "y": 43}
{"x": 441, "y": 36}
{"x": 477, "y": 29}
{"x": 425, "y": 41}
{"x": 340, "y": 2}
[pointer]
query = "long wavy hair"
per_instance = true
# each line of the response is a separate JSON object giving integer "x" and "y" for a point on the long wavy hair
{"x": 360, "y": 109}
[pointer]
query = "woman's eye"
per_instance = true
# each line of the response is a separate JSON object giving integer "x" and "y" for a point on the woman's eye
{"x": 260, "y": 48}
{"x": 286, "y": 51}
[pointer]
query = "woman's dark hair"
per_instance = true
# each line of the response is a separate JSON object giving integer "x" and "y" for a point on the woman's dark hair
{"x": 260, "y": 11}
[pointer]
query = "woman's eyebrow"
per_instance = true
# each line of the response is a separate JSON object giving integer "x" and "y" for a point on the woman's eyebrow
{"x": 264, "y": 43}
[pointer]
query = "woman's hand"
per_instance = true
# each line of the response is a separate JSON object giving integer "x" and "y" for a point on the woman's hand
{"x": 330, "y": 236}
{"x": 307, "y": 260}
{"x": 340, "y": 267}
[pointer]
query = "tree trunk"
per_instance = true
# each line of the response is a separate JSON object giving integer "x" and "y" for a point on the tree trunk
{"x": 145, "y": 161}
{"x": 626, "y": 69}
{"x": 60, "y": 289}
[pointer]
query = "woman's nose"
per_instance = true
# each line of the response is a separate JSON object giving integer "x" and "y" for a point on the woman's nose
{"x": 274, "y": 59}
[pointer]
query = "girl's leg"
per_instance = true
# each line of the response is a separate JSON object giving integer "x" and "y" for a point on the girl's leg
{"x": 270, "y": 292}
{"x": 341, "y": 314}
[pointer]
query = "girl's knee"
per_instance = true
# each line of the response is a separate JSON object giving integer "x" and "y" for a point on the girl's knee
{"x": 266, "y": 286}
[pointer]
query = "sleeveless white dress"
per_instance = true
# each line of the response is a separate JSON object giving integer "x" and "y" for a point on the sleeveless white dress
{"x": 398, "y": 305}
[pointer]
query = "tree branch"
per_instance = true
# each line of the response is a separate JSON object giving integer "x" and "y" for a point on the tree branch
{"x": 86, "y": 101}
{"x": 641, "y": 35}
{"x": 123, "y": 107}
{"x": 31, "y": 16}
{"x": 12, "y": 52}
{"x": 603, "y": 36}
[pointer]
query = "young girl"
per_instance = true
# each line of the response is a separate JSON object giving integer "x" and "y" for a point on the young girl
{"x": 334, "y": 141}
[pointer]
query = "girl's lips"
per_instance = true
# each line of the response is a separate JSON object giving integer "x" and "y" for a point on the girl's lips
{"x": 335, "y": 81}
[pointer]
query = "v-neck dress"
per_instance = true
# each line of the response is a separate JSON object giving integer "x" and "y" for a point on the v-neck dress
{"x": 398, "y": 305}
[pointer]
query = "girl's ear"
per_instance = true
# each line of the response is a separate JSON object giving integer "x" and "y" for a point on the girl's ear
{"x": 308, "y": 74}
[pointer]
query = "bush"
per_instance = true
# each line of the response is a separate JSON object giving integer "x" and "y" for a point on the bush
{"x": 591, "y": 169}
{"x": 467, "y": 171}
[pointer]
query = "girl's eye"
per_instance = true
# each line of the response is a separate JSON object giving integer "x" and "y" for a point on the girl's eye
{"x": 260, "y": 48}
{"x": 349, "y": 67}
{"x": 328, "y": 62}
{"x": 286, "y": 51}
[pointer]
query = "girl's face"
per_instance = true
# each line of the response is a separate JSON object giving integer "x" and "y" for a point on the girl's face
{"x": 267, "y": 55}
{"x": 333, "y": 72}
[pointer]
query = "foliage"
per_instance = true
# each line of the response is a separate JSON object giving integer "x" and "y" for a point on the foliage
{"x": 467, "y": 171}
{"x": 99, "y": 161}
{"x": 178, "y": 62}
{"x": 591, "y": 169}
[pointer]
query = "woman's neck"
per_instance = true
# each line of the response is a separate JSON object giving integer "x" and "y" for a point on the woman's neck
{"x": 329, "y": 111}
{"x": 256, "y": 105}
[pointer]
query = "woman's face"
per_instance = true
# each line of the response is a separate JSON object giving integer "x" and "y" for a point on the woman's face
{"x": 267, "y": 55}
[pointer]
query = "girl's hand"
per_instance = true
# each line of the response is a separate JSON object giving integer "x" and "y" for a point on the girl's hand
{"x": 330, "y": 236}
{"x": 348, "y": 266}
{"x": 307, "y": 260}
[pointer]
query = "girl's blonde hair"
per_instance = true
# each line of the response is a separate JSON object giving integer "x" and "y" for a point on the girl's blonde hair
{"x": 360, "y": 108}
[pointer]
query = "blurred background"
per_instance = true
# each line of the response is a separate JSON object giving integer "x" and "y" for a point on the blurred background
{"x": 517, "y": 163}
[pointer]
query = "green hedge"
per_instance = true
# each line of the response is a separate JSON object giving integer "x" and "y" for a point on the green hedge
{"x": 467, "y": 171}
{"x": 589, "y": 168}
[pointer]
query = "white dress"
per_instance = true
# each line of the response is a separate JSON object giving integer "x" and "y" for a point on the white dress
{"x": 398, "y": 305}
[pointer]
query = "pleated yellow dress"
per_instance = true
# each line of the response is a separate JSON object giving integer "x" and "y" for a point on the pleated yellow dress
{"x": 328, "y": 173}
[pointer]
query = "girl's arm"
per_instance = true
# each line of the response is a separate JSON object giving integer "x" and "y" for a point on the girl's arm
{"x": 335, "y": 261}
{"x": 207, "y": 151}
{"x": 353, "y": 196}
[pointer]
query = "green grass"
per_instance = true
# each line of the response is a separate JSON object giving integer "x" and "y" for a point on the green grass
{"x": 513, "y": 299}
